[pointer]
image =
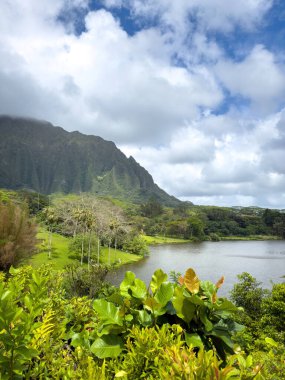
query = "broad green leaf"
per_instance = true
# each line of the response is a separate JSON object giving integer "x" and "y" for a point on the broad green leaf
{"x": 224, "y": 304}
{"x": 169, "y": 308}
{"x": 223, "y": 334}
{"x": 129, "y": 317}
{"x": 13, "y": 270}
{"x": 151, "y": 304}
{"x": 139, "y": 289}
{"x": 191, "y": 281}
{"x": 144, "y": 318}
{"x": 164, "y": 293}
{"x": 108, "y": 346}
{"x": 28, "y": 302}
{"x": 193, "y": 340}
{"x": 80, "y": 339}
{"x": 5, "y": 295}
{"x": 208, "y": 288}
{"x": 206, "y": 322}
{"x": 36, "y": 277}
{"x": 235, "y": 327}
{"x": 271, "y": 342}
{"x": 25, "y": 352}
{"x": 126, "y": 283}
{"x": 196, "y": 300}
{"x": 116, "y": 298}
{"x": 241, "y": 360}
{"x": 188, "y": 310}
{"x": 249, "y": 361}
{"x": 108, "y": 313}
{"x": 157, "y": 279}
{"x": 184, "y": 308}
{"x": 106, "y": 329}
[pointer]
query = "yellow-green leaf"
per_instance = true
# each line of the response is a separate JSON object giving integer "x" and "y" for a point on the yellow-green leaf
{"x": 191, "y": 281}
{"x": 271, "y": 342}
{"x": 121, "y": 374}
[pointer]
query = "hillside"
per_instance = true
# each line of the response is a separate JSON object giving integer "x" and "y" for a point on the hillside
{"x": 39, "y": 156}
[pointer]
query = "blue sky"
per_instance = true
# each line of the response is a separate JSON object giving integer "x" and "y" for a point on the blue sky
{"x": 194, "y": 90}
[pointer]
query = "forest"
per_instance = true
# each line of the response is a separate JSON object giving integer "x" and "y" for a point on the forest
{"x": 65, "y": 321}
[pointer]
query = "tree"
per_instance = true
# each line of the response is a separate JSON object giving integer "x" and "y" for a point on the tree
{"x": 273, "y": 312}
{"x": 36, "y": 202}
{"x": 87, "y": 218}
{"x": 178, "y": 228}
{"x": 279, "y": 226}
{"x": 196, "y": 227}
{"x": 248, "y": 294}
{"x": 152, "y": 208}
{"x": 269, "y": 217}
{"x": 136, "y": 245}
{"x": 17, "y": 235}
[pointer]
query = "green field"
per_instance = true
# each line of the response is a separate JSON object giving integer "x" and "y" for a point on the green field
{"x": 60, "y": 255}
{"x": 163, "y": 240}
{"x": 251, "y": 237}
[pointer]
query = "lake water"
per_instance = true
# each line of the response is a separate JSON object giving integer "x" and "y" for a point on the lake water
{"x": 264, "y": 260}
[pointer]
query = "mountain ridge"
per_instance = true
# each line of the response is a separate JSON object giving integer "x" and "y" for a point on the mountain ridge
{"x": 36, "y": 155}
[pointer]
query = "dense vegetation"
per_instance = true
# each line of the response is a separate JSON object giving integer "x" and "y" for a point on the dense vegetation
{"x": 180, "y": 330}
{"x": 86, "y": 228}
{"x": 71, "y": 324}
{"x": 91, "y": 229}
{"x": 114, "y": 220}
{"x": 187, "y": 221}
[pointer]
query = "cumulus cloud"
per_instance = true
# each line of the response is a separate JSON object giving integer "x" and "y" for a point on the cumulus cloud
{"x": 128, "y": 89}
{"x": 233, "y": 167}
{"x": 158, "y": 92}
{"x": 216, "y": 14}
{"x": 258, "y": 77}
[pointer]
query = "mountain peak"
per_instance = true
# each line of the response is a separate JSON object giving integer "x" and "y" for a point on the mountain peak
{"x": 39, "y": 156}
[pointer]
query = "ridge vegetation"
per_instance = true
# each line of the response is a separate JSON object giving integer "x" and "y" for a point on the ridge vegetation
{"x": 37, "y": 156}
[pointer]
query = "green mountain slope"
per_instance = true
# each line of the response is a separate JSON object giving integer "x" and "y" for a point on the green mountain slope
{"x": 36, "y": 155}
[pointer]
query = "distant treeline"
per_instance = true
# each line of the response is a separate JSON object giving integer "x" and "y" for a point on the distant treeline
{"x": 210, "y": 222}
{"x": 185, "y": 221}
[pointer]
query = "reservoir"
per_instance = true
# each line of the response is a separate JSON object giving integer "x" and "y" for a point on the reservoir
{"x": 264, "y": 260}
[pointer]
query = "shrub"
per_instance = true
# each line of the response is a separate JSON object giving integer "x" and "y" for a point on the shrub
{"x": 17, "y": 235}
{"x": 80, "y": 281}
{"x": 44, "y": 335}
{"x": 136, "y": 245}
{"x": 159, "y": 353}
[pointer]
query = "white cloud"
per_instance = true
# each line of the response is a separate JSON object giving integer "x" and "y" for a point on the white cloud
{"x": 229, "y": 169}
{"x": 124, "y": 88}
{"x": 258, "y": 77}
{"x": 154, "y": 93}
{"x": 211, "y": 14}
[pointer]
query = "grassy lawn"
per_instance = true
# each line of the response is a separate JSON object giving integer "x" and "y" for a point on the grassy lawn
{"x": 163, "y": 240}
{"x": 60, "y": 255}
{"x": 122, "y": 257}
{"x": 152, "y": 240}
{"x": 251, "y": 237}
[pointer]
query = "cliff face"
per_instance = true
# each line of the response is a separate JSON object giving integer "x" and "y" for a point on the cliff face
{"x": 36, "y": 155}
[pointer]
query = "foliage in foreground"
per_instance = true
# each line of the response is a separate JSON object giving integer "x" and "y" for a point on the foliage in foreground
{"x": 193, "y": 304}
{"x": 263, "y": 311}
{"x": 45, "y": 335}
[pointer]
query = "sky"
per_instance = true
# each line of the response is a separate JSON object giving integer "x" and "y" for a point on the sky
{"x": 194, "y": 90}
